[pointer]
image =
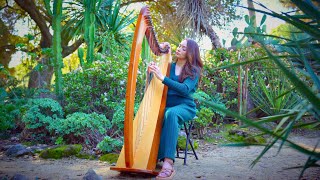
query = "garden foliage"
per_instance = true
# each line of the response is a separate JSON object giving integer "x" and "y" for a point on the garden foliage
{"x": 298, "y": 60}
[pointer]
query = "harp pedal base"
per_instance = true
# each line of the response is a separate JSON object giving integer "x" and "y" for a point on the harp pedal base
{"x": 133, "y": 170}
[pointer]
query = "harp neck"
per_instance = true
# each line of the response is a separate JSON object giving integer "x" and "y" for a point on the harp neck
{"x": 150, "y": 33}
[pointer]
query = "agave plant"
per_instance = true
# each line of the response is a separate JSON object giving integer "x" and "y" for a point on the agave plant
{"x": 302, "y": 53}
{"x": 271, "y": 92}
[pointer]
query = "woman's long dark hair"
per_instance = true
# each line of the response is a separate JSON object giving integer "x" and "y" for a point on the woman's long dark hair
{"x": 194, "y": 63}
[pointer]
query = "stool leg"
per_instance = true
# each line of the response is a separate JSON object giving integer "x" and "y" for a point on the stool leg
{"x": 194, "y": 152}
{"x": 191, "y": 144}
{"x": 186, "y": 149}
{"x": 177, "y": 151}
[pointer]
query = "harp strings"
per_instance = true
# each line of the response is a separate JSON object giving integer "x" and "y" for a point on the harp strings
{"x": 146, "y": 109}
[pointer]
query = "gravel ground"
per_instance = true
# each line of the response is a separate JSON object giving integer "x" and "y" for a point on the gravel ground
{"x": 215, "y": 162}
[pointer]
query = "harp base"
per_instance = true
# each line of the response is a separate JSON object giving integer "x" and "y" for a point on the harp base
{"x": 133, "y": 170}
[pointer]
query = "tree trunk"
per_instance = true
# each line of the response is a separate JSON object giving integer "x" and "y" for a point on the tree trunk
{"x": 41, "y": 75}
{"x": 207, "y": 29}
{"x": 249, "y": 102}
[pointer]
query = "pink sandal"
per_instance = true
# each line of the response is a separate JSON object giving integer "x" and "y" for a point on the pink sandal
{"x": 167, "y": 172}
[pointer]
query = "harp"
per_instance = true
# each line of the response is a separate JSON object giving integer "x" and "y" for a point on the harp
{"x": 142, "y": 132}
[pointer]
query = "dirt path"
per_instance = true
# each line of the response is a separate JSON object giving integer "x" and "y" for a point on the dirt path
{"x": 214, "y": 163}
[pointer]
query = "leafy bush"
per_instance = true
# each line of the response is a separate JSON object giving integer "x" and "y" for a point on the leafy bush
{"x": 11, "y": 114}
{"x": 118, "y": 118}
{"x": 109, "y": 144}
{"x": 203, "y": 120}
{"x": 204, "y": 117}
{"x": 41, "y": 114}
{"x": 302, "y": 53}
{"x": 12, "y": 100}
{"x": 98, "y": 87}
{"x": 7, "y": 116}
{"x": 82, "y": 128}
{"x": 217, "y": 99}
{"x": 181, "y": 143}
{"x": 91, "y": 89}
{"x": 207, "y": 115}
{"x": 59, "y": 141}
{"x": 222, "y": 81}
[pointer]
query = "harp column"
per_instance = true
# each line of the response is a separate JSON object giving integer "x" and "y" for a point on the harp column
{"x": 130, "y": 92}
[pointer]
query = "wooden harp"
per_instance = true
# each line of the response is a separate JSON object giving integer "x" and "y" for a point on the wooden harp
{"x": 142, "y": 132}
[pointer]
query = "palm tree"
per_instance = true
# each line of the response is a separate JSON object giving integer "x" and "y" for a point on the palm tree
{"x": 192, "y": 17}
{"x": 195, "y": 14}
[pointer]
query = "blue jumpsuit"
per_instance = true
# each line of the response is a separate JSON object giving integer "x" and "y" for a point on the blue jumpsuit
{"x": 180, "y": 108}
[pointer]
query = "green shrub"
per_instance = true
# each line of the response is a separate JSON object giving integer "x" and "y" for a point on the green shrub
{"x": 118, "y": 118}
{"x": 59, "y": 141}
{"x": 12, "y": 103}
{"x": 82, "y": 128}
{"x": 99, "y": 87}
{"x": 7, "y": 116}
{"x": 41, "y": 114}
{"x": 217, "y": 99}
{"x": 204, "y": 118}
{"x": 109, "y": 144}
{"x": 96, "y": 87}
{"x": 222, "y": 82}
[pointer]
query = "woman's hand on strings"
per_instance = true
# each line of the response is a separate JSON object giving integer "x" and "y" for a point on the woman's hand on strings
{"x": 153, "y": 68}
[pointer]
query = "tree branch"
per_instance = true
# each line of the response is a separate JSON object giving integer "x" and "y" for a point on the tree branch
{"x": 47, "y": 16}
{"x": 7, "y": 5}
{"x": 70, "y": 49}
{"x": 3, "y": 48}
{"x": 30, "y": 7}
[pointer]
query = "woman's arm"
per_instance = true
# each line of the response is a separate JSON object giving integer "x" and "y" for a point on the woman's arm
{"x": 185, "y": 87}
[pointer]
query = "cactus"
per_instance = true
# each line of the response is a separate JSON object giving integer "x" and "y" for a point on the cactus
{"x": 57, "y": 50}
{"x": 91, "y": 6}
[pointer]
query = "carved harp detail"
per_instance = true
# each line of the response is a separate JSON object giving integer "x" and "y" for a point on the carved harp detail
{"x": 142, "y": 132}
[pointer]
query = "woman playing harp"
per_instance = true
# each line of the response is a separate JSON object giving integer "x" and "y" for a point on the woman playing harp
{"x": 180, "y": 107}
